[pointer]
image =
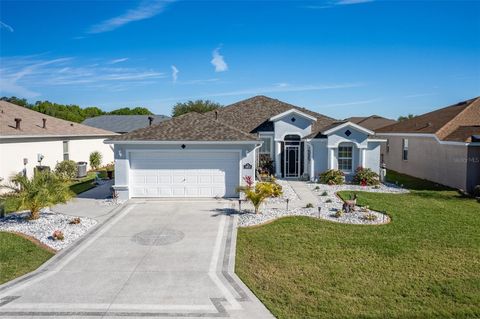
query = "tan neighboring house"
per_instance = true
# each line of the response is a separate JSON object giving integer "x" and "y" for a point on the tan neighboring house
{"x": 372, "y": 122}
{"x": 442, "y": 146}
{"x": 26, "y": 136}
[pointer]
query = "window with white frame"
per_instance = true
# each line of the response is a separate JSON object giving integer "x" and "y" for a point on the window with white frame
{"x": 405, "y": 149}
{"x": 66, "y": 156}
{"x": 267, "y": 145}
{"x": 345, "y": 158}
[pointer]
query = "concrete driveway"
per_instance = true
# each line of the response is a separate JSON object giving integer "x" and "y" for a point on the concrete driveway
{"x": 149, "y": 259}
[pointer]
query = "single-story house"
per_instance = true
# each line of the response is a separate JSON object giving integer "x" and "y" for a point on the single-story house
{"x": 372, "y": 122}
{"x": 207, "y": 155}
{"x": 123, "y": 123}
{"x": 442, "y": 146}
{"x": 28, "y": 138}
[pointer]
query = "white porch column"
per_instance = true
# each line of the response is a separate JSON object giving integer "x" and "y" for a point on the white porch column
{"x": 363, "y": 154}
{"x": 331, "y": 158}
{"x": 312, "y": 163}
{"x": 278, "y": 159}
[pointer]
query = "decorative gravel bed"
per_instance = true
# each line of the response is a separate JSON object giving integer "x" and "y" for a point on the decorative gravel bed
{"x": 382, "y": 188}
{"x": 43, "y": 228}
{"x": 288, "y": 193}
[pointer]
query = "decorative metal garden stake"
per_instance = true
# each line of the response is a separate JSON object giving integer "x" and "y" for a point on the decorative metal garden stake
{"x": 287, "y": 203}
{"x": 239, "y": 205}
{"x": 319, "y": 210}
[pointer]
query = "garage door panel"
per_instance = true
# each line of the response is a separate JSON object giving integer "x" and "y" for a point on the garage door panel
{"x": 182, "y": 174}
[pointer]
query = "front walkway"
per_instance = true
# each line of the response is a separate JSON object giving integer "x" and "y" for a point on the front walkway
{"x": 148, "y": 259}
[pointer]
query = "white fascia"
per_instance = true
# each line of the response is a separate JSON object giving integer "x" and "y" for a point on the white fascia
{"x": 185, "y": 142}
{"x": 356, "y": 126}
{"x": 279, "y": 116}
{"x": 431, "y": 136}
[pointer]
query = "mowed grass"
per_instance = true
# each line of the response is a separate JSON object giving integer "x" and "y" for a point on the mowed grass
{"x": 19, "y": 256}
{"x": 424, "y": 264}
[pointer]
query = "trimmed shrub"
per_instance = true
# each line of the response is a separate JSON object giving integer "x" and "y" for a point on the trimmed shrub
{"x": 66, "y": 170}
{"x": 309, "y": 205}
{"x": 332, "y": 177}
{"x": 95, "y": 159}
{"x": 365, "y": 177}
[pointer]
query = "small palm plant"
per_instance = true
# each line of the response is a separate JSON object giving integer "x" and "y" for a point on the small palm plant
{"x": 95, "y": 160}
{"x": 259, "y": 193}
{"x": 42, "y": 190}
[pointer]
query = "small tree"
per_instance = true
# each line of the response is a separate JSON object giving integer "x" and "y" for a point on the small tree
{"x": 66, "y": 170}
{"x": 199, "y": 106}
{"x": 42, "y": 190}
{"x": 259, "y": 193}
{"x": 95, "y": 160}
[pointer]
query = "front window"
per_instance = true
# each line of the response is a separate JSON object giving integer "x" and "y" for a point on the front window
{"x": 266, "y": 146}
{"x": 66, "y": 156}
{"x": 345, "y": 158}
{"x": 405, "y": 149}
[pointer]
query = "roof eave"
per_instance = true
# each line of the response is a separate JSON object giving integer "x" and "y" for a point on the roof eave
{"x": 140, "y": 142}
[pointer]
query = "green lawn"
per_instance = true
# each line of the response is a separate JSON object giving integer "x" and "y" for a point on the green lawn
{"x": 424, "y": 264}
{"x": 19, "y": 256}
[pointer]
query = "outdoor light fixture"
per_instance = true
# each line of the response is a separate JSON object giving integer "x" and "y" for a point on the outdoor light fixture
{"x": 287, "y": 200}
{"x": 319, "y": 210}
{"x": 239, "y": 205}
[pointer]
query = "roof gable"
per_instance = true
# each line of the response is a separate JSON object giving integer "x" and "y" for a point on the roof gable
{"x": 31, "y": 124}
{"x": 188, "y": 127}
{"x": 292, "y": 111}
{"x": 441, "y": 122}
{"x": 372, "y": 122}
{"x": 123, "y": 123}
{"x": 251, "y": 114}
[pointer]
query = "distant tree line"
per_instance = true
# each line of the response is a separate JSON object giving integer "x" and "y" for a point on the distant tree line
{"x": 405, "y": 117}
{"x": 71, "y": 112}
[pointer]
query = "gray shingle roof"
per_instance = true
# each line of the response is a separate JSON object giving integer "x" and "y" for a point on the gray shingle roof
{"x": 31, "y": 124}
{"x": 188, "y": 127}
{"x": 123, "y": 123}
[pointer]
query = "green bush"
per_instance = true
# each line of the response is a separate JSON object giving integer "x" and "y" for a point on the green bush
{"x": 309, "y": 205}
{"x": 332, "y": 177}
{"x": 476, "y": 191}
{"x": 66, "y": 170}
{"x": 365, "y": 177}
{"x": 95, "y": 160}
{"x": 324, "y": 193}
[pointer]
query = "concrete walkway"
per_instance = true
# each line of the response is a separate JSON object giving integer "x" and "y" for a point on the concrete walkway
{"x": 148, "y": 259}
{"x": 304, "y": 193}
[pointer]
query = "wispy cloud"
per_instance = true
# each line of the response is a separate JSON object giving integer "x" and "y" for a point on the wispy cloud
{"x": 333, "y": 3}
{"x": 352, "y": 103}
{"x": 24, "y": 76}
{"x": 146, "y": 10}
{"x": 218, "y": 61}
{"x": 411, "y": 96}
{"x": 174, "y": 74}
{"x": 5, "y": 26}
{"x": 200, "y": 81}
{"x": 118, "y": 60}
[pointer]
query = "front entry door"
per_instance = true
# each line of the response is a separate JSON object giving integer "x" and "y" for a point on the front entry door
{"x": 292, "y": 161}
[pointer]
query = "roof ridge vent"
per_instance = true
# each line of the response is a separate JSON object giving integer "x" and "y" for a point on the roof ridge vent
{"x": 44, "y": 123}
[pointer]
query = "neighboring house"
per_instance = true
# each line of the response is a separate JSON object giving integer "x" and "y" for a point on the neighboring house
{"x": 207, "y": 155}
{"x": 26, "y": 135}
{"x": 372, "y": 122}
{"x": 124, "y": 123}
{"x": 442, "y": 146}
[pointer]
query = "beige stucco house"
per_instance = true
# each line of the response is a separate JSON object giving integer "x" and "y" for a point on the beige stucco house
{"x": 26, "y": 136}
{"x": 442, "y": 146}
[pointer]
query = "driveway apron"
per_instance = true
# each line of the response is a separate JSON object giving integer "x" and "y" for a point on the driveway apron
{"x": 149, "y": 259}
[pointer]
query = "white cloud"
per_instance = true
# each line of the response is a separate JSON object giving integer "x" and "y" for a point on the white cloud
{"x": 174, "y": 73}
{"x": 118, "y": 61}
{"x": 19, "y": 74}
{"x": 146, "y": 10}
{"x": 5, "y": 26}
{"x": 218, "y": 61}
{"x": 333, "y": 3}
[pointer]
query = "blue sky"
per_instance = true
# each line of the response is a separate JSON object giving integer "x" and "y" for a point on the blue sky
{"x": 337, "y": 57}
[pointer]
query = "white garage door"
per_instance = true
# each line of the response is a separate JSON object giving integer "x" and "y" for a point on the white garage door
{"x": 184, "y": 174}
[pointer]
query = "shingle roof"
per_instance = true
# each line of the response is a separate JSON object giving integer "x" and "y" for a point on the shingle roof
{"x": 250, "y": 114}
{"x": 463, "y": 134}
{"x": 442, "y": 122}
{"x": 123, "y": 123}
{"x": 372, "y": 122}
{"x": 31, "y": 124}
{"x": 188, "y": 127}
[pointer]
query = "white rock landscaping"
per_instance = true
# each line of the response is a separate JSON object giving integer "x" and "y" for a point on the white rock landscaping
{"x": 328, "y": 202}
{"x": 43, "y": 227}
{"x": 288, "y": 193}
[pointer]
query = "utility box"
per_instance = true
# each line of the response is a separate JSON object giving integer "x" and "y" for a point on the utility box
{"x": 81, "y": 169}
